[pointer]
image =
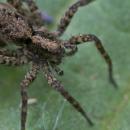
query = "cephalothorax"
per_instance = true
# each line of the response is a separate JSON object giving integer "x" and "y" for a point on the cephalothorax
{"x": 42, "y": 48}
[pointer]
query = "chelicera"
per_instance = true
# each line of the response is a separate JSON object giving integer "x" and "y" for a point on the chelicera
{"x": 42, "y": 48}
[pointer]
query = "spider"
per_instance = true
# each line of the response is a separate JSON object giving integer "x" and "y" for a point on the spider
{"x": 42, "y": 48}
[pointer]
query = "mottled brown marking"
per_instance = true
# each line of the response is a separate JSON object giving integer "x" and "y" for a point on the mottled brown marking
{"x": 52, "y": 81}
{"x": 30, "y": 12}
{"x": 66, "y": 19}
{"x": 89, "y": 37}
{"x": 13, "y": 26}
{"x": 30, "y": 76}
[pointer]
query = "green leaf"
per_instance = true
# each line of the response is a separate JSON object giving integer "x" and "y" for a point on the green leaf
{"x": 86, "y": 76}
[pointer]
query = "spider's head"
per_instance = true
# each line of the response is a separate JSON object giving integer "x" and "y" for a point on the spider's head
{"x": 53, "y": 47}
{"x": 46, "y": 49}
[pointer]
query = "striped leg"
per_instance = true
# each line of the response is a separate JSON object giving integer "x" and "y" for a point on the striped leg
{"x": 11, "y": 61}
{"x": 66, "y": 19}
{"x": 53, "y": 82}
{"x": 12, "y": 53}
{"x": 30, "y": 76}
{"x": 32, "y": 5}
{"x": 76, "y": 40}
{"x": 12, "y": 58}
{"x": 37, "y": 16}
{"x": 15, "y": 3}
{"x": 32, "y": 13}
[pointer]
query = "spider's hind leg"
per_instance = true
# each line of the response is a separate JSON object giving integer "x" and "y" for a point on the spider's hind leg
{"x": 29, "y": 78}
{"x": 76, "y": 40}
{"x": 54, "y": 83}
{"x": 66, "y": 19}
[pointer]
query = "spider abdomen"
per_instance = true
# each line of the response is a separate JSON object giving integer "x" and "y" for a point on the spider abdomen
{"x": 13, "y": 27}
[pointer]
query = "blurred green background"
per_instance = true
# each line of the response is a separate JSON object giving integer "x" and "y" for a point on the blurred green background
{"x": 86, "y": 76}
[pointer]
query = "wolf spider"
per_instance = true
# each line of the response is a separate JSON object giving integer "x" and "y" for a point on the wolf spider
{"x": 42, "y": 48}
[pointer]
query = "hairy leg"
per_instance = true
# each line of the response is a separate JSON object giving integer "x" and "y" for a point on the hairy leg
{"x": 76, "y": 40}
{"x": 31, "y": 12}
{"x": 18, "y": 4}
{"x": 30, "y": 76}
{"x": 32, "y": 5}
{"x": 15, "y": 53}
{"x": 15, "y": 58}
{"x": 41, "y": 17}
{"x": 66, "y": 19}
{"x": 54, "y": 83}
{"x": 12, "y": 61}
{"x": 15, "y": 3}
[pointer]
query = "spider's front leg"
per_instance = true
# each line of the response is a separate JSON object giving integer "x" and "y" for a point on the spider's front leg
{"x": 30, "y": 76}
{"x": 76, "y": 40}
{"x": 11, "y": 58}
{"x": 11, "y": 61}
{"x": 54, "y": 83}
{"x": 66, "y": 19}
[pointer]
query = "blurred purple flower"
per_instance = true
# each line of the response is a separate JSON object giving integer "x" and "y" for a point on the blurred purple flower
{"x": 46, "y": 18}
